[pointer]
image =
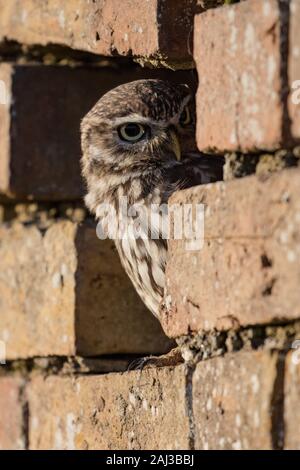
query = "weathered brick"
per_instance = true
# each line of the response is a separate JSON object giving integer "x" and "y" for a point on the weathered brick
{"x": 248, "y": 270}
{"x": 155, "y": 29}
{"x": 40, "y": 141}
{"x": 232, "y": 401}
{"x": 134, "y": 410}
{"x": 237, "y": 50}
{"x": 12, "y": 414}
{"x": 294, "y": 69}
{"x": 231, "y": 405}
{"x": 291, "y": 400}
{"x": 64, "y": 292}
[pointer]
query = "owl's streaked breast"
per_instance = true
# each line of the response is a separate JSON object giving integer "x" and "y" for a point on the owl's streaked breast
{"x": 143, "y": 257}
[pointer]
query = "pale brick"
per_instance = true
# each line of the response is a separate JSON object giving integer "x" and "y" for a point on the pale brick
{"x": 40, "y": 138}
{"x": 12, "y": 414}
{"x": 237, "y": 50}
{"x": 64, "y": 292}
{"x": 232, "y": 401}
{"x": 248, "y": 270}
{"x": 135, "y": 410}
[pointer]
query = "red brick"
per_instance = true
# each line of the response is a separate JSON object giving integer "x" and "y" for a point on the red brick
{"x": 248, "y": 269}
{"x": 12, "y": 425}
{"x": 238, "y": 57}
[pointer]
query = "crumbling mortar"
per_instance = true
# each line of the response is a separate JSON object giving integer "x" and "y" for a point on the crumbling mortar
{"x": 194, "y": 348}
{"x": 161, "y": 61}
{"x": 13, "y": 51}
{"x": 205, "y": 345}
{"x": 43, "y": 215}
{"x": 238, "y": 165}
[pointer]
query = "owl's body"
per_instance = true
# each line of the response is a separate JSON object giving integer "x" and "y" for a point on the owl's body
{"x": 137, "y": 150}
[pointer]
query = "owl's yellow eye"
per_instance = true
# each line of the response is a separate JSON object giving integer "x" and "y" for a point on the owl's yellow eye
{"x": 131, "y": 132}
{"x": 185, "y": 117}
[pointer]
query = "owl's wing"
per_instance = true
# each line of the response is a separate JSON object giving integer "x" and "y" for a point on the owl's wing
{"x": 194, "y": 169}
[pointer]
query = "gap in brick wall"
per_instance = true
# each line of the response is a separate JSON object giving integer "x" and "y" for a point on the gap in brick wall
{"x": 200, "y": 347}
{"x": 53, "y": 54}
{"x": 12, "y": 51}
{"x": 70, "y": 365}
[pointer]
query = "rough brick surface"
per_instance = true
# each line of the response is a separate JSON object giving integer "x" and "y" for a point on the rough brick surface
{"x": 64, "y": 292}
{"x": 155, "y": 28}
{"x": 117, "y": 411}
{"x": 232, "y": 399}
{"x": 40, "y": 141}
{"x": 12, "y": 404}
{"x": 294, "y": 68}
{"x": 248, "y": 269}
{"x": 237, "y": 53}
{"x": 291, "y": 400}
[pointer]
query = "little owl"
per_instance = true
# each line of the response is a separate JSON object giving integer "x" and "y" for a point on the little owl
{"x": 138, "y": 144}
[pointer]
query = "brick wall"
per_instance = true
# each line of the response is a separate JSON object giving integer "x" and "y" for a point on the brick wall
{"x": 69, "y": 317}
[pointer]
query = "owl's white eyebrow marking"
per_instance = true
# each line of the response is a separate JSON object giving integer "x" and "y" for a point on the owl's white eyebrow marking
{"x": 135, "y": 117}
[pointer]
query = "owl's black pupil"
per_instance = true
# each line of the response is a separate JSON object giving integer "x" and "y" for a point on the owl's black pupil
{"x": 132, "y": 130}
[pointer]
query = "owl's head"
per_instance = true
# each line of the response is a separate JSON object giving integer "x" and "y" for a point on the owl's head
{"x": 136, "y": 124}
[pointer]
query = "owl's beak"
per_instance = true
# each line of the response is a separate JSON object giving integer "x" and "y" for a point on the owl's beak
{"x": 174, "y": 144}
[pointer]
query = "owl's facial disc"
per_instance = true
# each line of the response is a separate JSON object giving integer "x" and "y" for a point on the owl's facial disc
{"x": 138, "y": 123}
